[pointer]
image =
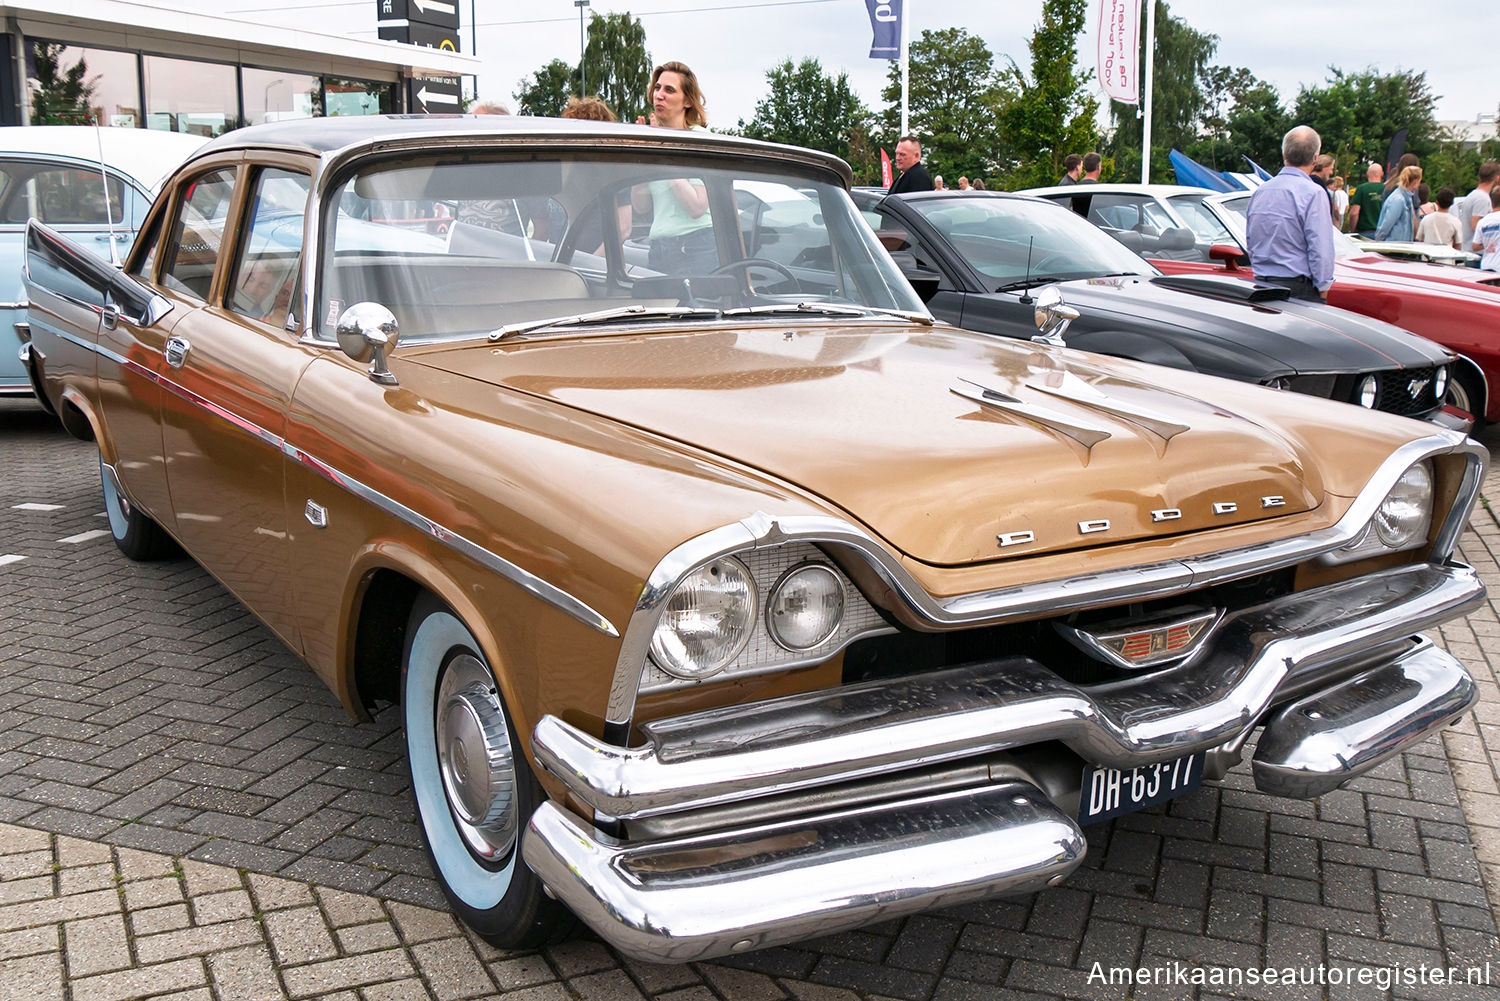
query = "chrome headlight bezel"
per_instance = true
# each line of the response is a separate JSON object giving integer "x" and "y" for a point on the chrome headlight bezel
{"x": 1401, "y": 522}
{"x": 736, "y": 586}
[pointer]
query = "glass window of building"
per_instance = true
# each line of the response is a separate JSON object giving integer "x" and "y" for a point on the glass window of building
{"x": 276, "y": 95}
{"x": 183, "y": 95}
{"x": 72, "y": 85}
{"x": 343, "y": 96}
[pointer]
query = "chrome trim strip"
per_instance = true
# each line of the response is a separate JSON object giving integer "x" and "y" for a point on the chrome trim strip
{"x": 664, "y": 901}
{"x": 529, "y": 582}
{"x": 15, "y": 305}
{"x": 817, "y": 738}
{"x": 1051, "y": 597}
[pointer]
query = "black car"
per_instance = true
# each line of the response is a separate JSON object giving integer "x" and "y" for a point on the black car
{"x": 980, "y": 260}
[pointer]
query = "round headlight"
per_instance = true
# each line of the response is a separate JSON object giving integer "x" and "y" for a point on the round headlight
{"x": 707, "y": 620}
{"x": 806, "y": 606}
{"x": 1440, "y": 383}
{"x": 1404, "y": 513}
{"x": 1369, "y": 390}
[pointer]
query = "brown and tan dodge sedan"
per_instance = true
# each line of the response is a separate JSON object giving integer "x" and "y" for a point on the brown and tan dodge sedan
{"x": 729, "y": 599}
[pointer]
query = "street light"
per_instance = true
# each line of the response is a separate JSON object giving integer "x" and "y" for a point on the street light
{"x": 583, "y": 80}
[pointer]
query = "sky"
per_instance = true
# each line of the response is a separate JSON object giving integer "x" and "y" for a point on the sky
{"x": 730, "y": 45}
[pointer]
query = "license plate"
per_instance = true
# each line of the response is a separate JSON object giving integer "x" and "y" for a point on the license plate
{"x": 1110, "y": 792}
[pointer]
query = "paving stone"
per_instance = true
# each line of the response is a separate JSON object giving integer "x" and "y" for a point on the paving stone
{"x": 244, "y": 973}
{"x": 299, "y": 935}
{"x": 315, "y": 979}
{"x": 452, "y": 970}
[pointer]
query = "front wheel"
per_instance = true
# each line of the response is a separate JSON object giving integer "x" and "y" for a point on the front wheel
{"x": 137, "y": 535}
{"x": 473, "y": 787}
{"x": 1464, "y": 392}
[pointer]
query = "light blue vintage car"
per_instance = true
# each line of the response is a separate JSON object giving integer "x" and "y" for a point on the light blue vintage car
{"x": 52, "y": 173}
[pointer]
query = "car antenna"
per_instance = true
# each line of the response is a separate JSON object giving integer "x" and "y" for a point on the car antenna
{"x": 1026, "y": 299}
{"x": 109, "y": 215}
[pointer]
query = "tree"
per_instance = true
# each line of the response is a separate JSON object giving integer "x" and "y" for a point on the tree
{"x": 807, "y": 107}
{"x": 1242, "y": 116}
{"x": 1053, "y": 112}
{"x": 59, "y": 96}
{"x": 617, "y": 65}
{"x": 546, "y": 92}
{"x": 955, "y": 102}
{"x": 1177, "y": 98}
{"x": 1357, "y": 114}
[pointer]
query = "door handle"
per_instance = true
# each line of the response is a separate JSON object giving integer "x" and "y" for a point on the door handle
{"x": 176, "y": 351}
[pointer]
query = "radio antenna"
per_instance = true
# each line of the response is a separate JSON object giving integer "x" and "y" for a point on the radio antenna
{"x": 1026, "y": 299}
{"x": 109, "y": 214}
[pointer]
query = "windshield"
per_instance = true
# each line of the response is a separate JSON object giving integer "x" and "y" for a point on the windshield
{"x": 464, "y": 245}
{"x": 1016, "y": 239}
{"x": 1204, "y": 224}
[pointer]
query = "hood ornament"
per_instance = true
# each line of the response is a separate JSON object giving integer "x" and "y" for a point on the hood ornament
{"x": 1070, "y": 387}
{"x": 1052, "y": 317}
{"x": 1087, "y": 435}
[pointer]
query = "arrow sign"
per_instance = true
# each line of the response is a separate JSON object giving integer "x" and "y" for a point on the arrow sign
{"x": 431, "y": 13}
{"x": 430, "y": 6}
{"x": 436, "y": 97}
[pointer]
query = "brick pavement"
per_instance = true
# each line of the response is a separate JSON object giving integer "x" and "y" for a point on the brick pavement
{"x": 185, "y": 812}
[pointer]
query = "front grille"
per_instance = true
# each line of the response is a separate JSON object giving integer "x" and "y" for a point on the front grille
{"x": 1396, "y": 396}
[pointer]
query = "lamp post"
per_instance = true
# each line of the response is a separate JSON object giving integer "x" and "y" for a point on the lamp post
{"x": 583, "y": 84}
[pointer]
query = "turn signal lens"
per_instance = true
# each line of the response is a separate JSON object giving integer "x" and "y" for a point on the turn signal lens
{"x": 707, "y": 620}
{"x": 806, "y": 606}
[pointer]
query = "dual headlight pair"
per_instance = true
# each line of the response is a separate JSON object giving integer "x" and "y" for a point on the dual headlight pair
{"x": 1369, "y": 388}
{"x": 714, "y": 611}
{"x": 1401, "y": 522}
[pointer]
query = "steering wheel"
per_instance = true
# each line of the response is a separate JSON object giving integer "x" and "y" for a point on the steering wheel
{"x": 746, "y": 263}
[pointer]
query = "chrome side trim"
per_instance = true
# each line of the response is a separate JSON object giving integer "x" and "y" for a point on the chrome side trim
{"x": 1050, "y": 597}
{"x": 1323, "y": 740}
{"x": 790, "y": 880}
{"x": 14, "y": 305}
{"x": 853, "y": 731}
{"x": 527, "y": 581}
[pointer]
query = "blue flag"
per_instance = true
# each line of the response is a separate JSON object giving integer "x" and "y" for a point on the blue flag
{"x": 885, "y": 21}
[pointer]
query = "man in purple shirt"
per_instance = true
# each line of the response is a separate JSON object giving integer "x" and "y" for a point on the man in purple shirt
{"x": 1290, "y": 237}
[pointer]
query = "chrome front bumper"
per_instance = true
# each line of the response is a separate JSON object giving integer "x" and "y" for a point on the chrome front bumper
{"x": 751, "y": 804}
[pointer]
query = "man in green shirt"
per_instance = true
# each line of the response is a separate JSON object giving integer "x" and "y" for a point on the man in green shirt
{"x": 1364, "y": 202}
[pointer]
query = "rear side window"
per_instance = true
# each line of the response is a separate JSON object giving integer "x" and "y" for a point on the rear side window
{"x": 192, "y": 248}
{"x": 61, "y": 195}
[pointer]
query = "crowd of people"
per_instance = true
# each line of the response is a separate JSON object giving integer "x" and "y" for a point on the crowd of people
{"x": 1403, "y": 207}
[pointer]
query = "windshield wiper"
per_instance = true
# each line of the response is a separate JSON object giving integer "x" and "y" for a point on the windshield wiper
{"x": 1031, "y": 282}
{"x": 626, "y": 313}
{"x": 829, "y": 309}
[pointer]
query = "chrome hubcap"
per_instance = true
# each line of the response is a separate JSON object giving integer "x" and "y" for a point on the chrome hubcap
{"x": 474, "y": 757}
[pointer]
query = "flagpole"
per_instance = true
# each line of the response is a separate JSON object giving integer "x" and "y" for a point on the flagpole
{"x": 905, "y": 62}
{"x": 1147, "y": 82}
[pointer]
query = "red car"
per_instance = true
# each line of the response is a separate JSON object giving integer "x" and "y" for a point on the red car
{"x": 1186, "y": 230}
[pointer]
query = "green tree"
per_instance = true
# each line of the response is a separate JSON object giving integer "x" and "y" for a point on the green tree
{"x": 955, "y": 102}
{"x": 618, "y": 67}
{"x": 546, "y": 91}
{"x": 1053, "y": 112}
{"x": 1357, "y": 114}
{"x": 807, "y": 107}
{"x": 1242, "y": 116}
{"x": 59, "y": 95}
{"x": 1182, "y": 56}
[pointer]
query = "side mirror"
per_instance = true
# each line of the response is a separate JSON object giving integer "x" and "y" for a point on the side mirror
{"x": 1176, "y": 238}
{"x": 1052, "y": 316}
{"x": 366, "y": 332}
{"x": 1233, "y": 257}
{"x": 923, "y": 280}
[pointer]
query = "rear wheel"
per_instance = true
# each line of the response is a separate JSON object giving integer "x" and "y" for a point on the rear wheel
{"x": 473, "y": 787}
{"x": 138, "y": 537}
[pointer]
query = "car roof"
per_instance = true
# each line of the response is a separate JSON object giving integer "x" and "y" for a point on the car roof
{"x": 345, "y": 134}
{"x": 1158, "y": 190}
{"x": 146, "y": 156}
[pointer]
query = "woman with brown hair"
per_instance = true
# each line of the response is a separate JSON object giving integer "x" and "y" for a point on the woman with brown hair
{"x": 1398, "y": 213}
{"x": 682, "y": 236}
{"x": 676, "y": 100}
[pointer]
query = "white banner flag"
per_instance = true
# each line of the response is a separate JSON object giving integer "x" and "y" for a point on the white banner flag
{"x": 1119, "y": 49}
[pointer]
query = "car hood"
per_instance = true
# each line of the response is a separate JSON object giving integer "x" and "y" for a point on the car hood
{"x": 867, "y": 419}
{"x": 1305, "y": 337}
{"x": 1417, "y": 275}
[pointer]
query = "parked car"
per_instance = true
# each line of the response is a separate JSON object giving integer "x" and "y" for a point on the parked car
{"x": 728, "y": 606}
{"x": 1411, "y": 250}
{"x": 52, "y": 173}
{"x": 1458, "y": 308}
{"x": 980, "y": 257}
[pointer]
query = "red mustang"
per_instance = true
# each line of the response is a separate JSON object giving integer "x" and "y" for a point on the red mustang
{"x": 1193, "y": 230}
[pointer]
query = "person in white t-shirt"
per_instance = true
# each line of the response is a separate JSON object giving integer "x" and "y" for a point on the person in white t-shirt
{"x": 1340, "y": 199}
{"x": 1487, "y": 234}
{"x": 1441, "y": 227}
{"x": 1476, "y": 204}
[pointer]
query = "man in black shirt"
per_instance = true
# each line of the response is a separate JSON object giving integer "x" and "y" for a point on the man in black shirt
{"x": 914, "y": 176}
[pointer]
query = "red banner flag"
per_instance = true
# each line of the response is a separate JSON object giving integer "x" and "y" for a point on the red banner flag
{"x": 885, "y": 170}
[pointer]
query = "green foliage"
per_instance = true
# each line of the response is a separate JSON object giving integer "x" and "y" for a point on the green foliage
{"x": 618, "y": 65}
{"x": 1177, "y": 98}
{"x": 1242, "y": 117}
{"x": 1357, "y": 114}
{"x": 955, "y": 103}
{"x": 547, "y": 91}
{"x": 59, "y": 96}
{"x": 807, "y": 107}
{"x": 1053, "y": 112}
{"x": 1453, "y": 165}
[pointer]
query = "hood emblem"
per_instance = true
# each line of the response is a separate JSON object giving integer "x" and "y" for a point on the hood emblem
{"x": 1070, "y": 387}
{"x": 1096, "y": 525}
{"x": 1016, "y": 538}
{"x": 1134, "y": 647}
{"x": 1225, "y": 507}
{"x": 1166, "y": 514}
{"x": 1273, "y": 501}
{"x": 1417, "y": 385}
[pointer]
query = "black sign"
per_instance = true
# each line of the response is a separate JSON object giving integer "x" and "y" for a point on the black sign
{"x": 434, "y": 95}
{"x": 424, "y": 35}
{"x": 439, "y": 13}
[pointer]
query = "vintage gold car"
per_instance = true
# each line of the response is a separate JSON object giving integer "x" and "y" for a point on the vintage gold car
{"x": 729, "y": 599}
